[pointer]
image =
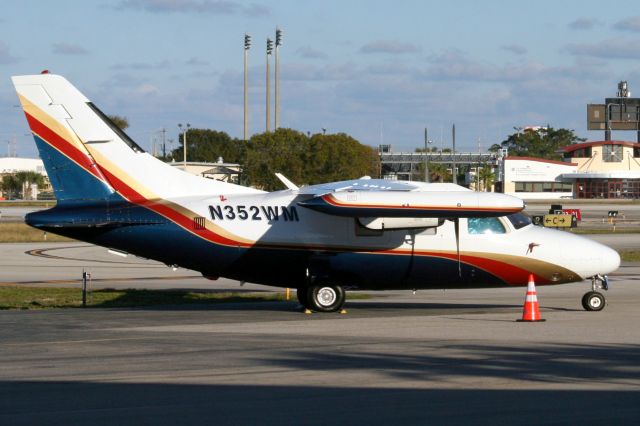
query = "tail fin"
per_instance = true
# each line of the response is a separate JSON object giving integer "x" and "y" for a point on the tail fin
{"x": 89, "y": 159}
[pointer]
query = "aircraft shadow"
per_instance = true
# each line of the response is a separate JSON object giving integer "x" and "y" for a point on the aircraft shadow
{"x": 81, "y": 403}
{"x": 179, "y": 299}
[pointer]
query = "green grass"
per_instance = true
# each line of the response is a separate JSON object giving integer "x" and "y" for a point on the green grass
{"x": 630, "y": 255}
{"x": 19, "y": 203}
{"x": 608, "y": 230}
{"x": 16, "y": 232}
{"x": 17, "y": 297}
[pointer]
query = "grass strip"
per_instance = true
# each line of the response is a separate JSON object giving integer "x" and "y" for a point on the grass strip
{"x": 16, "y": 232}
{"x": 18, "y": 203}
{"x": 597, "y": 231}
{"x": 17, "y": 297}
{"x": 629, "y": 255}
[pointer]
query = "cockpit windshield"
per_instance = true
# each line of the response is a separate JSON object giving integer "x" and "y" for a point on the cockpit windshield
{"x": 519, "y": 220}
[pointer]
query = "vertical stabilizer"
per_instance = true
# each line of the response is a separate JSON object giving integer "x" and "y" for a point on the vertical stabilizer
{"x": 88, "y": 158}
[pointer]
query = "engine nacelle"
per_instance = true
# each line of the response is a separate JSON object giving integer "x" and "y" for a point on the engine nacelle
{"x": 382, "y": 223}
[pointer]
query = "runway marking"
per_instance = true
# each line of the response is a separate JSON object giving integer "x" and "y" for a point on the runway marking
{"x": 64, "y": 342}
{"x": 42, "y": 253}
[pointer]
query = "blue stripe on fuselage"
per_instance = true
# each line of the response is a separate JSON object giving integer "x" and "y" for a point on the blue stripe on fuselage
{"x": 142, "y": 232}
{"x": 71, "y": 183}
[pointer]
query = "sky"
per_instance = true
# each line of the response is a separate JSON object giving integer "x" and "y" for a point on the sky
{"x": 380, "y": 71}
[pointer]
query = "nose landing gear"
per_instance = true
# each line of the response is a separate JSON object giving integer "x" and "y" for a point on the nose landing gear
{"x": 594, "y": 300}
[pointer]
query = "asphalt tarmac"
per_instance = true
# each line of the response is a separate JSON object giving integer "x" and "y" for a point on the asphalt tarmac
{"x": 436, "y": 357}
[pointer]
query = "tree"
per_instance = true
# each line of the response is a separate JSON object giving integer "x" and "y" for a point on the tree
{"x": 439, "y": 173}
{"x": 281, "y": 151}
{"x": 302, "y": 158}
{"x": 495, "y": 147}
{"x": 19, "y": 183}
{"x": 338, "y": 156}
{"x": 486, "y": 177}
{"x": 207, "y": 145}
{"x": 542, "y": 143}
{"x": 306, "y": 160}
{"x": 120, "y": 121}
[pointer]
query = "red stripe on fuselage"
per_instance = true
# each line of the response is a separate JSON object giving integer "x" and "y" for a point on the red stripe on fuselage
{"x": 505, "y": 271}
{"x": 64, "y": 146}
{"x": 184, "y": 221}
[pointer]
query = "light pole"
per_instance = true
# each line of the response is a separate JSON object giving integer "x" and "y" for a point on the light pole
{"x": 277, "y": 102}
{"x": 184, "y": 141}
{"x": 247, "y": 46}
{"x": 426, "y": 155}
{"x": 453, "y": 156}
{"x": 269, "y": 50}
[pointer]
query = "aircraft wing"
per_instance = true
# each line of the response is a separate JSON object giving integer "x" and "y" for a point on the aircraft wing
{"x": 380, "y": 198}
{"x": 365, "y": 185}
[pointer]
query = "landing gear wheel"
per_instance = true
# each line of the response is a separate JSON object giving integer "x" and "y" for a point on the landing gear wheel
{"x": 302, "y": 293}
{"x": 324, "y": 297}
{"x": 593, "y": 301}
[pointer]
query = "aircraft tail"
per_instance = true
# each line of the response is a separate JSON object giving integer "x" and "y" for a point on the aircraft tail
{"x": 89, "y": 159}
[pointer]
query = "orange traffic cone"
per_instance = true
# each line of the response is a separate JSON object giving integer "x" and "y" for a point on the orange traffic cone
{"x": 531, "y": 310}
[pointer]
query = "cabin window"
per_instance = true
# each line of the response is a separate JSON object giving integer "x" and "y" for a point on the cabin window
{"x": 519, "y": 220}
{"x": 485, "y": 225}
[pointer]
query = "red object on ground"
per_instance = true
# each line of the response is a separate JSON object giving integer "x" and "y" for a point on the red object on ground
{"x": 531, "y": 311}
{"x": 575, "y": 212}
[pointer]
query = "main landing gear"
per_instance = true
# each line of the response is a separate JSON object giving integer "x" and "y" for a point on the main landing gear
{"x": 322, "y": 297}
{"x": 594, "y": 300}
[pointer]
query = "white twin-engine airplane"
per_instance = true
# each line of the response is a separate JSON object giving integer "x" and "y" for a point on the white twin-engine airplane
{"x": 320, "y": 239}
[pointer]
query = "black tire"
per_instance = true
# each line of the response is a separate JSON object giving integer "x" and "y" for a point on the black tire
{"x": 302, "y": 292}
{"x": 593, "y": 301}
{"x": 325, "y": 297}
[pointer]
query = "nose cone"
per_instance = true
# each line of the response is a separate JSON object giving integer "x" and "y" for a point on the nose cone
{"x": 576, "y": 256}
{"x": 593, "y": 258}
{"x": 609, "y": 260}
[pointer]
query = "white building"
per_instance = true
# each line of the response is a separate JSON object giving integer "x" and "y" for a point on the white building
{"x": 11, "y": 165}
{"x": 537, "y": 178}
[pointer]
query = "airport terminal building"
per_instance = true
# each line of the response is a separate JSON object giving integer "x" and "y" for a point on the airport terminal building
{"x": 600, "y": 169}
{"x": 536, "y": 178}
{"x": 605, "y": 169}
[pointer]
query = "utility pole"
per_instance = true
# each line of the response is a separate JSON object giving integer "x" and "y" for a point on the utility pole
{"x": 164, "y": 143}
{"x": 184, "y": 141}
{"x": 269, "y": 50}
{"x": 453, "y": 156}
{"x": 247, "y": 46}
{"x": 277, "y": 102}
{"x": 426, "y": 155}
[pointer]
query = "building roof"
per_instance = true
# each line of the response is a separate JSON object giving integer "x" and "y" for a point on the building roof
{"x": 577, "y": 146}
{"x": 18, "y": 164}
{"x": 541, "y": 160}
{"x": 614, "y": 174}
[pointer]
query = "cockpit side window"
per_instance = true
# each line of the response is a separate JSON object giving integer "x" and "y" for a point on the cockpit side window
{"x": 485, "y": 225}
{"x": 519, "y": 220}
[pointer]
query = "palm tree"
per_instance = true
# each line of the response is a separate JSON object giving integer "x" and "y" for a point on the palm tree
{"x": 486, "y": 177}
{"x": 439, "y": 173}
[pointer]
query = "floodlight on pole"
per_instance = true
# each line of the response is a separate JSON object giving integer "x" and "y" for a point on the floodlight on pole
{"x": 277, "y": 78}
{"x": 426, "y": 155}
{"x": 453, "y": 157}
{"x": 247, "y": 46}
{"x": 184, "y": 141}
{"x": 268, "y": 91}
